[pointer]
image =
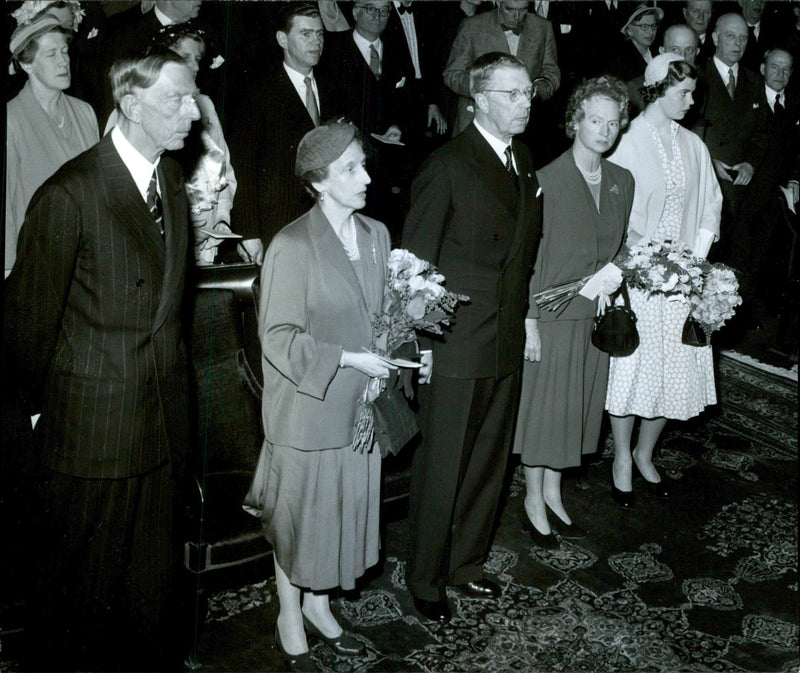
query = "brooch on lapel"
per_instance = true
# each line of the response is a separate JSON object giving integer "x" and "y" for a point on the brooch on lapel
{"x": 614, "y": 189}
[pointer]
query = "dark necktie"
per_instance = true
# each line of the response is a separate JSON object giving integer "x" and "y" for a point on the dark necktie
{"x": 510, "y": 166}
{"x": 731, "y": 85}
{"x": 154, "y": 204}
{"x": 403, "y": 9}
{"x": 779, "y": 109}
{"x": 311, "y": 102}
{"x": 374, "y": 61}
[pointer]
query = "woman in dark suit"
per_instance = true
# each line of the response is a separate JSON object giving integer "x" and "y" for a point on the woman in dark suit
{"x": 587, "y": 201}
{"x": 321, "y": 281}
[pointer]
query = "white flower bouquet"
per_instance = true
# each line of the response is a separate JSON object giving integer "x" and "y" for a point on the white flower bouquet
{"x": 718, "y": 300}
{"x": 414, "y": 299}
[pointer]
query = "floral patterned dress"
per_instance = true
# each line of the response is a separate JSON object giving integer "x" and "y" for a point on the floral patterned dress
{"x": 663, "y": 377}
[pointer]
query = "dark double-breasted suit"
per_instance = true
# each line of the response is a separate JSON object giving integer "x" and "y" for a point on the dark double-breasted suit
{"x": 93, "y": 327}
{"x": 269, "y": 124}
{"x": 469, "y": 220}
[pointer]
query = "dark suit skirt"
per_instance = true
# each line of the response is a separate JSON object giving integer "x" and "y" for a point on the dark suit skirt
{"x": 321, "y": 513}
{"x": 563, "y": 397}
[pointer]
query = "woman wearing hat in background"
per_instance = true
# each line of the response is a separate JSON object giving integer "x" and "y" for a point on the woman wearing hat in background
{"x": 635, "y": 50}
{"x": 587, "y": 201}
{"x": 677, "y": 198}
{"x": 321, "y": 281}
{"x": 44, "y": 126}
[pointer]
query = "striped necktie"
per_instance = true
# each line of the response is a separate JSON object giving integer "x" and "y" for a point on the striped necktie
{"x": 731, "y": 86}
{"x": 374, "y": 61}
{"x": 154, "y": 204}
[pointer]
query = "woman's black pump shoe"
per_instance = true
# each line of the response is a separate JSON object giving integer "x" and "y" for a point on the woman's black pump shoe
{"x": 658, "y": 488}
{"x": 343, "y": 644}
{"x": 298, "y": 663}
{"x": 626, "y": 499}
{"x": 549, "y": 542}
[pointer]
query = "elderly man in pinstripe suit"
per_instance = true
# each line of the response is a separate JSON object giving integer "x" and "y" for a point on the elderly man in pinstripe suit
{"x": 93, "y": 325}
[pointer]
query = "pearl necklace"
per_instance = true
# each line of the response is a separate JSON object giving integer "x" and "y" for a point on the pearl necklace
{"x": 594, "y": 177}
{"x": 349, "y": 241}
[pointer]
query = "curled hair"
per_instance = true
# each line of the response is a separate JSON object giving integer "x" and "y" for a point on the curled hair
{"x": 606, "y": 86}
{"x": 28, "y": 52}
{"x": 293, "y": 9}
{"x": 140, "y": 72}
{"x": 677, "y": 71}
{"x": 481, "y": 70}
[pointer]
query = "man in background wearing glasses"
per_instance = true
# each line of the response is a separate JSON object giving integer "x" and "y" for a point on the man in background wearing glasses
{"x": 511, "y": 29}
{"x": 476, "y": 215}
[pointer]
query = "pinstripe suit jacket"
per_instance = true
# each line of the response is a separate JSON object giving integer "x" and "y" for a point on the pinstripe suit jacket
{"x": 93, "y": 318}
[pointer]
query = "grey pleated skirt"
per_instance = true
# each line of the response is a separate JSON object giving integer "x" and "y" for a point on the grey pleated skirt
{"x": 321, "y": 513}
{"x": 562, "y": 398}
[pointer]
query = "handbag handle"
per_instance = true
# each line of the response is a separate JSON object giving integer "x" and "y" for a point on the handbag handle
{"x": 622, "y": 291}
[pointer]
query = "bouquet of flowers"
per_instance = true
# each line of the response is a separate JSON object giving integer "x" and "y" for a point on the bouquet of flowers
{"x": 414, "y": 299}
{"x": 669, "y": 268}
{"x": 718, "y": 300}
{"x": 553, "y": 298}
{"x": 663, "y": 267}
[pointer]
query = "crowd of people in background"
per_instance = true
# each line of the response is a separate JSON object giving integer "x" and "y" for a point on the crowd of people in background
{"x": 494, "y": 139}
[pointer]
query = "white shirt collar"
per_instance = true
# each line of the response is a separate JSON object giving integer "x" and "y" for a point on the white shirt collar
{"x": 163, "y": 19}
{"x": 298, "y": 81}
{"x": 363, "y": 45}
{"x": 141, "y": 169}
{"x": 772, "y": 95}
{"x": 723, "y": 70}
{"x": 497, "y": 145}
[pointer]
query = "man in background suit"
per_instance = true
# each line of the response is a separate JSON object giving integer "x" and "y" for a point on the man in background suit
{"x": 93, "y": 327}
{"x": 760, "y": 215}
{"x": 511, "y": 29}
{"x": 476, "y": 215}
{"x": 697, "y": 14}
{"x": 731, "y": 122}
{"x": 277, "y": 111}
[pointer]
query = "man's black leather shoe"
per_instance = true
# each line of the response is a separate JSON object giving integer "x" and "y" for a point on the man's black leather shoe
{"x": 436, "y": 611}
{"x": 483, "y": 588}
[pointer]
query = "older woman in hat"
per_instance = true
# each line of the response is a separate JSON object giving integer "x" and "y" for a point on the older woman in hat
{"x": 44, "y": 126}
{"x": 321, "y": 281}
{"x": 635, "y": 50}
{"x": 677, "y": 198}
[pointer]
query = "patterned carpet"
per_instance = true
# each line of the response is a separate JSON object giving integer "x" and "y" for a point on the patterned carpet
{"x": 706, "y": 581}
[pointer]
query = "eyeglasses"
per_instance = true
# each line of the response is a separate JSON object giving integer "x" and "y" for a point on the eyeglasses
{"x": 375, "y": 12}
{"x": 514, "y": 94}
{"x": 646, "y": 27}
{"x": 688, "y": 52}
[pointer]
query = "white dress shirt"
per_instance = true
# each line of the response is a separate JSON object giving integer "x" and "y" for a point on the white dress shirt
{"x": 298, "y": 81}
{"x": 497, "y": 145}
{"x": 363, "y": 46}
{"x": 410, "y": 30}
{"x": 141, "y": 169}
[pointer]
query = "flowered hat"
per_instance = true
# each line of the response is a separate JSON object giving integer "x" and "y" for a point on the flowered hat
{"x": 656, "y": 70}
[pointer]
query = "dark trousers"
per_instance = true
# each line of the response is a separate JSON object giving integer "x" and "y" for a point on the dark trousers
{"x": 105, "y": 596}
{"x": 456, "y": 479}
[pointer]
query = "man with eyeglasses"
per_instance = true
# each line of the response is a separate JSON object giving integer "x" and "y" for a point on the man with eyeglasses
{"x": 678, "y": 39}
{"x": 760, "y": 218}
{"x": 476, "y": 215}
{"x": 509, "y": 28}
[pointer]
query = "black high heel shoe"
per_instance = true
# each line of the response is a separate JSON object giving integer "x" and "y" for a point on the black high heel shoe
{"x": 569, "y": 531}
{"x": 298, "y": 663}
{"x": 658, "y": 488}
{"x": 549, "y": 541}
{"x": 626, "y": 499}
{"x": 343, "y": 644}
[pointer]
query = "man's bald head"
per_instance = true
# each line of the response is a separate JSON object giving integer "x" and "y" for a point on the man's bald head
{"x": 681, "y": 40}
{"x": 730, "y": 38}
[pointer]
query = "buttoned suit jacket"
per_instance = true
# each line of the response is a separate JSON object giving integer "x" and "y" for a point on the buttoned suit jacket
{"x": 93, "y": 312}
{"x": 372, "y": 104}
{"x": 481, "y": 34}
{"x": 468, "y": 221}
{"x": 734, "y": 129}
{"x": 268, "y": 126}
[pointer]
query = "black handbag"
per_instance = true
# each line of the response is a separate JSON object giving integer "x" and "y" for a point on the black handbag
{"x": 693, "y": 334}
{"x": 615, "y": 329}
{"x": 395, "y": 422}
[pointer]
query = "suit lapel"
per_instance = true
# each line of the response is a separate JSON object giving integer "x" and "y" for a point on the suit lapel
{"x": 491, "y": 171}
{"x": 529, "y": 200}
